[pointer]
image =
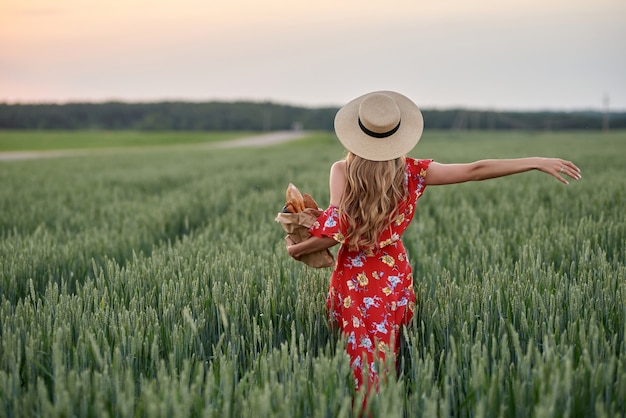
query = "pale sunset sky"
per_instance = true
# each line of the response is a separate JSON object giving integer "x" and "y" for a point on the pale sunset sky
{"x": 487, "y": 54}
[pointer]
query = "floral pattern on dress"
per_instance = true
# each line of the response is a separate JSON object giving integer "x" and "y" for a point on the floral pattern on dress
{"x": 371, "y": 292}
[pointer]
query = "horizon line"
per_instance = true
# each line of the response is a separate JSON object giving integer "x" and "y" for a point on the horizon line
{"x": 292, "y": 104}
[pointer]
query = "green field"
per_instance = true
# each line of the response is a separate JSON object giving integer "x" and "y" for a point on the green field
{"x": 157, "y": 284}
{"x": 94, "y": 140}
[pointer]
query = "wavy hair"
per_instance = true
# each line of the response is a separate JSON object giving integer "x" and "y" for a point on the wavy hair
{"x": 369, "y": 203}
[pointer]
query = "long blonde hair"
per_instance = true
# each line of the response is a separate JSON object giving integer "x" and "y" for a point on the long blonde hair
{"x": 369, "y": 203}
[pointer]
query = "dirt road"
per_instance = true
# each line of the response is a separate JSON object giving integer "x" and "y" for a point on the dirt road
{"x": 263, "y": 140}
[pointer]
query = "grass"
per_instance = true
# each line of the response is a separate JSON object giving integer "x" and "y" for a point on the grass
{"x": 157, "y": 284}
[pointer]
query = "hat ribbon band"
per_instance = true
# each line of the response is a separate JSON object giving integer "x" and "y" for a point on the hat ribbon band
{"x": 379, "y": 134}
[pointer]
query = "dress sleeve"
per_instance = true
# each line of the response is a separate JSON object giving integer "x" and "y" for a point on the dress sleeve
{"x": 328, "y": 225}
{"x": 420, "y": 167}
{"x": 417, "y": 175}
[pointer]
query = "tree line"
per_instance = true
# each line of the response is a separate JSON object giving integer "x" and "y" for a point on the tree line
{"x": 267, "y": 116}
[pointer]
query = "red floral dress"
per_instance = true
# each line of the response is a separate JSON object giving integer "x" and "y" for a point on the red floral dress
{"x": 371, "y": 292}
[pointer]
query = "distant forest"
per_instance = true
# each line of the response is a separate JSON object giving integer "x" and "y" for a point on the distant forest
{"x": 266, "y": 116}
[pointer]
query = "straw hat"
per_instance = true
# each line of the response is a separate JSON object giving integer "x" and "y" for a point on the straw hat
{"x": 379, "y": 126}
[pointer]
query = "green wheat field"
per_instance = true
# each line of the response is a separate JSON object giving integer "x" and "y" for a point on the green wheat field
{"x": 156, "y": 284}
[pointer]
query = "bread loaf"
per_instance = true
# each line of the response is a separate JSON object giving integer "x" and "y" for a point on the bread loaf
{"x": 309, "y": 202}
{"x": 294, "y": 197}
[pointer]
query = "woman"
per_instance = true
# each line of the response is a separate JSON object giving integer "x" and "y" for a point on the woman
{"x": 373, "y": 193}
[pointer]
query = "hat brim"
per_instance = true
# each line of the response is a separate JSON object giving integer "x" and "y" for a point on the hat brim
{"x": 355, "y": 140}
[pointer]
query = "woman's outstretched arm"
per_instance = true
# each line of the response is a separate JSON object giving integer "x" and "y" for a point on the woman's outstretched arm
{"x": 438, "y": 174}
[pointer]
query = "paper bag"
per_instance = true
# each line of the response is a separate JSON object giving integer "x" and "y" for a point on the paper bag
{"x": 297, "y": 227}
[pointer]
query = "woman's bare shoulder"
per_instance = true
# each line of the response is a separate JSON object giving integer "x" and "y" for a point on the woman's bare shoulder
{"x": 339, "y": 166}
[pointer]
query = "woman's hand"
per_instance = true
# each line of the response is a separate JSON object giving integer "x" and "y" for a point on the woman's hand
{"x": 557, "y": 167}
{"x": 291, "y": 247}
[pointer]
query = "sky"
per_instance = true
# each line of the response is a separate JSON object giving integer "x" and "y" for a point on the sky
{"x": 481, "y": 54}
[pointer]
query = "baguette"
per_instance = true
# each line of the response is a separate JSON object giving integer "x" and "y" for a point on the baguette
{"x": 309, "y": 202}
{"x": 294, "y": 197}
{"x": 290, "y": 208}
